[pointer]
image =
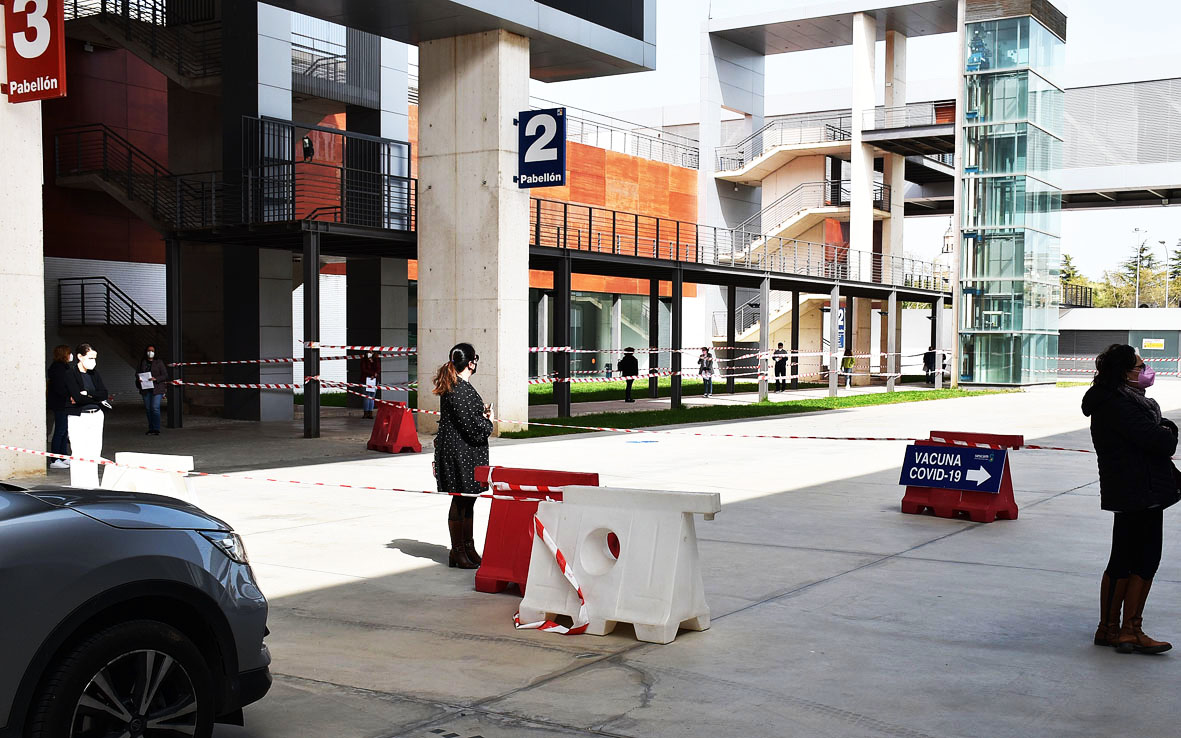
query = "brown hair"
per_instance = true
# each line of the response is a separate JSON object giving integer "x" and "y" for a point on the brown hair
{"x": 445, "y": 379}
{"x": 61, "y": 353}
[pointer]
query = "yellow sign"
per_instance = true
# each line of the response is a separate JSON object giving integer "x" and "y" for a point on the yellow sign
{"x": 1152, "y": 344}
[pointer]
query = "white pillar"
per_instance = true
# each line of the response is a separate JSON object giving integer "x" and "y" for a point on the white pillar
{"x": 22, "y": 341}
{"x": 473, "y": 225}
{"x": 834, "y": 351}
{"x": 860, "y": 338}
{"x": 764, "y": 336}
{"x": 894, "y": 174}
{"x": 275, "y": 333}
{"x": 892, "y": 343}
{"x": 395, "y": 327}
{"x": 957, "y": 215}
{"x": 940, "y": 349}
{"x": 864, "y": 99}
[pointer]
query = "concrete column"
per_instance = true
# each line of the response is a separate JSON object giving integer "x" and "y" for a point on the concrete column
{"x": 864, "y": 99}
{"x": 860, "y": 333}
{"x": 732, "y": 77}
{"x": 395, "y": 119}
{"x": 257, "y": 324}
{"x": 940, "y": 349}
{"x": 678, "y": 311}
{"x": 731, "y": 334}
{"x": 616, "y": 328}
{"x": 764, "y": 335}
{"x": 834, "y": 351}
{"x": 311, "y": 332}
{"x": 894, "y": 173}
{"x": 653, "y": 335}
{"x": 543, "y": 337}
{"x": 173, "y": 319}
{"x": 23, "y": 355}
{"x": 377, "y": 313}
{"x": 957, "y": 294}
{"x": 562, "y": 335}
{"x": 892, "y": 343}
{"x": 473, "y": 224}
{"x": 794, "y": 363}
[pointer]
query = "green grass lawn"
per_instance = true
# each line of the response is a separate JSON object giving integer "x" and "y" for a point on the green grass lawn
{"x": 543, "y": 394}
{"x": 713, "y": 413}
{"x": 1073, "y": 384}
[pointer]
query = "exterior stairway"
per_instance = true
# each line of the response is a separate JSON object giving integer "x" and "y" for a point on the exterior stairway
{"x": 181, "y": 39}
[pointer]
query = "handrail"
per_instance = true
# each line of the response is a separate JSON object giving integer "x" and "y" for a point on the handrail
{"x": 807, "y": 195}
{"x": 167, "y": 33}
{"x": 783, "y": 132}
{"x": 124, "y": 307}
{"x": 572, "y": 226}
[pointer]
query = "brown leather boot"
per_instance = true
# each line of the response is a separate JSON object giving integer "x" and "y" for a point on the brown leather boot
{"x": 1131, "y": 637}
{"x": 458, "y": 556}
{"x": 470, "y": 543}
{"x": 1111, "y": 599}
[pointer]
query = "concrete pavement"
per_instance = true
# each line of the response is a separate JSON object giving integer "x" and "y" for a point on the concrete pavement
{"x": 833, "y": 613}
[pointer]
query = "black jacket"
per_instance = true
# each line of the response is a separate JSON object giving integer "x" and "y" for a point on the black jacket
{"x": 159, "y": 372}
{"x": 628, "y": 366}
{"x": 1135, "y": 471}
{"x": 462, "y": 441}
{"x": 77, "y": 389}
{"x": 57, "y": 393}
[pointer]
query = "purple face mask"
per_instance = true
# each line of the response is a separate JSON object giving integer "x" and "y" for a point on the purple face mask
{"x": 1146, "y": 378}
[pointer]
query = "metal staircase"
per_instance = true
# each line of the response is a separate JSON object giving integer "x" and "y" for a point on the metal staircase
{"x": 180, "y": 38}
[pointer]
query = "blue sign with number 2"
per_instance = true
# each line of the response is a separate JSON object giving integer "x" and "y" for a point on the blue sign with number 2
{"x": 541, "y": 148}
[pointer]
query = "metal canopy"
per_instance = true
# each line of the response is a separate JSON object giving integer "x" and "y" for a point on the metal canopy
{"x": 830, "y": 24}
{"x": 563, "y": 46}
{"x": 914, "y": 140}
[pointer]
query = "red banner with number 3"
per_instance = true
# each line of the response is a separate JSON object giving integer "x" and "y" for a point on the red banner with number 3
{"x": 34, "y": 34}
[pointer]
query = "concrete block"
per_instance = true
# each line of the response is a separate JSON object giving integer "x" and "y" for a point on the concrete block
{"x": 654, "y": 583}
{"x": 164, "y": 475}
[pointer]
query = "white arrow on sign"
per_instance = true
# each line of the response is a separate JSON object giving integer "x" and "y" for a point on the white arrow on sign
{"x": 979, "y": 476}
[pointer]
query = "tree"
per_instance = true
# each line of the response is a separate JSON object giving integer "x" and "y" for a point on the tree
{"x": 1141, "y": 257}
{"x": 1069, "y": 273}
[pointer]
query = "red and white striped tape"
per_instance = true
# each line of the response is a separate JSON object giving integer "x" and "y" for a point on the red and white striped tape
{"x": 375, "y": 349}
{"x": 412, "y": 386}
{"x": 231, "y": 385}
{"x": 341, "y": 485}
{"x": 582, "y": 619}
{"x": 292, "y": 360}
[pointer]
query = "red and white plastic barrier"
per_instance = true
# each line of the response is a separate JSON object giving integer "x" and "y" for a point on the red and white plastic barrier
{"x": 581, "y": 620}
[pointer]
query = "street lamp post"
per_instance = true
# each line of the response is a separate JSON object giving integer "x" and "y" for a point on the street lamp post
{"x": 1139, "y": 248}
{"x": 1166, "y": 248}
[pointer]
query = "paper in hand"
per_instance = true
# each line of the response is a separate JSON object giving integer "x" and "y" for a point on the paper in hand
{"x": 145, "y": 380}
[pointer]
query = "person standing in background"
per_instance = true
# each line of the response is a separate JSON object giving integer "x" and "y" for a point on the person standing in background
{"x": 57, "y": 399}
{"x": 705, "y": 367}
{"x": 847, "y": 364}
{"x": 629, "y": 368}
{"x": 152, "y": 379}
{"x": 780, "y": 357}
{"x": 370, "y": 372}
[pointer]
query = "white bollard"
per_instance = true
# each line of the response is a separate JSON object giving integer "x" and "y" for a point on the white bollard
{"x": 171, "y": 482}
{"x": 86, "y": 440}
{"x": 655, "y": 584}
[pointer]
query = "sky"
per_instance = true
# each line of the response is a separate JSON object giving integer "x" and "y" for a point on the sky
{"x": 1103, "y": 47}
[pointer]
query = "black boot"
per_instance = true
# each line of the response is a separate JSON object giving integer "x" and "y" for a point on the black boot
{"x": 469, "y": 542}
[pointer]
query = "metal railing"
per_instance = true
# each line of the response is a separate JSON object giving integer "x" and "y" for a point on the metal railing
{"x": 748, "y": 314}
{"x": 586, "y": 228}
{"x": 1077, "y": 295}
{"x": 98, "y": 301}
{"x": 274, "y": 192}
{"x": 783, "y": 132}
{"x": 183, "y": 35}
{"x": 675, "y": 150}
{"x": 806, "y": 196}
{"x": 904, "y": 116}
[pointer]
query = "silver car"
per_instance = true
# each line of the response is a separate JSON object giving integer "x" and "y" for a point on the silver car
{"x": 123, "y": 614}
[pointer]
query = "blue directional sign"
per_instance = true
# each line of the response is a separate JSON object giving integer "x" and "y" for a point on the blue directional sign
{"x": 953, "y": 467}
{"x": 541, "y": 148}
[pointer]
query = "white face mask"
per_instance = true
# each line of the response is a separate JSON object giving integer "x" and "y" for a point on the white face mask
{"x": 151, "y": 354}
{"x": 89, "y": 362}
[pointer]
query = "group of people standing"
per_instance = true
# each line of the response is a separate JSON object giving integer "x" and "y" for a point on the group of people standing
{"x": 75, "y": 387}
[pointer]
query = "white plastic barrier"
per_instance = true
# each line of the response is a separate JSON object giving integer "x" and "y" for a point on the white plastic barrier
{"x": 170, "y": 483}
{"x": 655, "y": 583}
{"x": 86, "y": 441}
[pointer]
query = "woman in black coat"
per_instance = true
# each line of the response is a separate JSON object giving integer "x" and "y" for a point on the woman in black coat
{"x": 151, "y": 363}
{"x": 57, "y": 399}
{"x": 460, "y": 446}
{"x": 1137, "y": 481}
{"x": 85, "y": 385}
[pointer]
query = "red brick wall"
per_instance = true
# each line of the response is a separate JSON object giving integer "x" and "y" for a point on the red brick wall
{"x": 118, "y": 89}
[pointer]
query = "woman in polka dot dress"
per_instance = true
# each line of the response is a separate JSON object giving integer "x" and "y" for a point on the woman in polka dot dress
{"x": 460, "y": 446}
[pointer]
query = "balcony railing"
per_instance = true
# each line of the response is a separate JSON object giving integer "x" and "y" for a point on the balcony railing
{"x": 1077, "y": 295}
{"x": 806, "y": 196}
{"x": 585, "y": 228}
{"x": 783, "y": 132}
{"x": 184, "y": 35}
{"x": 905, "y": 116}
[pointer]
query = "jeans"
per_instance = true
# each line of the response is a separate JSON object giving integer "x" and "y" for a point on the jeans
{"x": 367, "y": 401}
{"x": 152, "y": 407}
{"x": 61, "y": 432}
{"x": 709, "y": 385}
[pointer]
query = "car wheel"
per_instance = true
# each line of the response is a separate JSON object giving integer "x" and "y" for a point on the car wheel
{"x": 141, "y": 679}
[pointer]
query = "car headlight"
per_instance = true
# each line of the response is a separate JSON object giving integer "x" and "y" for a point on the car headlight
{"x": 230, "y": 544}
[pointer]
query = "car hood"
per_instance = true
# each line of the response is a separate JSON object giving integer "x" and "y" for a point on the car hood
{"x": 130, "y": 510}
